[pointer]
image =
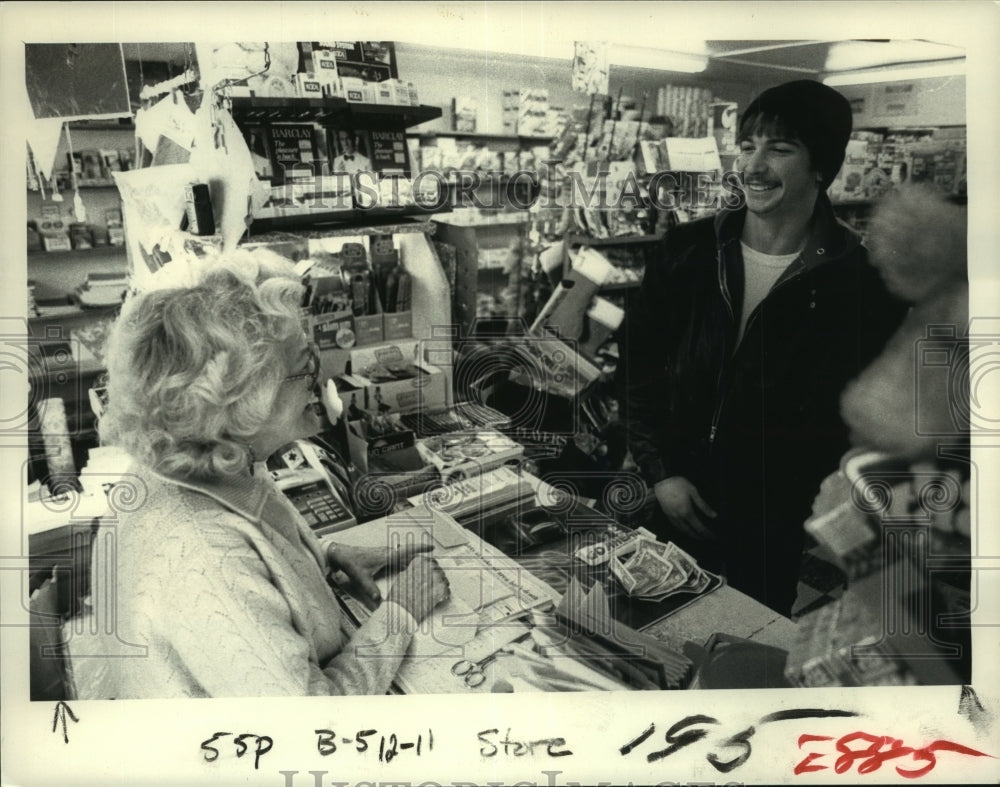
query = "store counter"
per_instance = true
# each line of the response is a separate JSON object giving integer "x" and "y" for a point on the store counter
{"x": 732, "y": 612}
{"x": 515, "y": 631}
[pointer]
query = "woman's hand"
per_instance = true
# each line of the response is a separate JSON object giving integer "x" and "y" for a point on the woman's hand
{"x": 420, "y": 588}
{"x": 363, "y": 564}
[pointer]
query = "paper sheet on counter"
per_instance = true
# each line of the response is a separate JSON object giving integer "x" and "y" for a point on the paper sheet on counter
{"x": 489, "y": 593}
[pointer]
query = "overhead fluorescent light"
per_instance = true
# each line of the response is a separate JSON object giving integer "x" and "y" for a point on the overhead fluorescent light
{"x": 660, "y": 59}
{"x": 868, "y": 76}
{"x": 862, "y": 55}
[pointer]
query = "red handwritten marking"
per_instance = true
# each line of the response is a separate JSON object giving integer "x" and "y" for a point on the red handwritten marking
{"x": 879, "y": 750}
{"x": 804, "y": 766}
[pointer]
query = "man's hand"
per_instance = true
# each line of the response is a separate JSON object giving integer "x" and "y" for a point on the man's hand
{"x": 684, "y": 507}
{"x": 363, "y": 564}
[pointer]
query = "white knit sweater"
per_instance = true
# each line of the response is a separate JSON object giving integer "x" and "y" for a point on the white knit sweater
{"x": 224, "y": 586}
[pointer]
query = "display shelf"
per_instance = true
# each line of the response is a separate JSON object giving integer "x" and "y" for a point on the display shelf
{"x": 484, "y": 136}
{"x": 71, "y": 311}
{"x": 81, "y": 255}
{"x": 82, "y": 184}
{"x": 586, "y": 240}
{"x": 397, "y": 226}
{"x": 103, "y": 125}
{"x": 381, "y": 221}
{"x": 330, "y": 110}
{"x": 463, "y": 218}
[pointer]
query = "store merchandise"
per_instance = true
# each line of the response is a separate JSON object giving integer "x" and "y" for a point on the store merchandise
{"x": 462, "y": 417}
{"x": 458, "y": 456}
{"x": 842, "y": 644}
{"x": 687, "y": 108}
{"x": 102, "y": 289}
{"x": 483, "y": 492}
{"x": 637, "y": 659}
{"x": 463, "y": 112}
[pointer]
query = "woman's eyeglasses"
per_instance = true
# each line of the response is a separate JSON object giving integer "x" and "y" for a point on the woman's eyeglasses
{"x": 311, "y": 372}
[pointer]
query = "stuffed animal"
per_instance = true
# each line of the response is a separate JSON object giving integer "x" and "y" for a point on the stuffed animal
{"x": 914, "y": 396}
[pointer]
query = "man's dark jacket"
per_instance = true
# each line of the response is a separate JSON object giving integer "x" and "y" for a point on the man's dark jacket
{"x": 754, "y": 427}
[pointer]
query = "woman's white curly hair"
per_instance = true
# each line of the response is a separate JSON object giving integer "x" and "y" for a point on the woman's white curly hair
{"x": 193, "y": 370}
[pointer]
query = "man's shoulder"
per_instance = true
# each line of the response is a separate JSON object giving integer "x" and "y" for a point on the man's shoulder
{"x": 692, "y": 238}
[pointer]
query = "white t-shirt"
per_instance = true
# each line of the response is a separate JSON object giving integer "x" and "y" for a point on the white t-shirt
{"x": 760, "y": 272}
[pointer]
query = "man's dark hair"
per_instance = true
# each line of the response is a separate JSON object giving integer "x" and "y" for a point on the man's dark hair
{"x": 816, "y": 115}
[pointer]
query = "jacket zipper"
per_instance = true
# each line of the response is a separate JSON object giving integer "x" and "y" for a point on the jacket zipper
{"x": 717, "y": 415}
{"x": 720, "y": 391}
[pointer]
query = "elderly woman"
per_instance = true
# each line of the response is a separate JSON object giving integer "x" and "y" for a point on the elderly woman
{"x": 219, "y": 578}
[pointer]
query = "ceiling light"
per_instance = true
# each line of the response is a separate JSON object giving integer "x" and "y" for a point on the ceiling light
{"x": 858, "y": 55}
{"x": 660, "y": 59}
{"x": 870, "y": 75}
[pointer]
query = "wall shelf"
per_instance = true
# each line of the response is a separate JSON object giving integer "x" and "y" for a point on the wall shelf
{"x": 81, "y": 255}
{"x": 358, "y": 221}
{"x": 484, "y": 136}
{"x": 331, "y": 111}
{"x": 624, "y": 240}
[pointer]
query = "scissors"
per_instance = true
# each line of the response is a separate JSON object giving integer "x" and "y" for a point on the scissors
{"x": 472, "y": 671}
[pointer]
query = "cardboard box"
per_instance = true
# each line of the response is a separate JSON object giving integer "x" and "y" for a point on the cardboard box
{"x": 368, "y": 330}
{"x": 400, "y": 91}
{"x": 357, "y": 91}
{"x": 391, "y": 451}
{"x": 308, "y": 86}
{"x": 332, "y": 331}
{"x": 325, "y": 65}
{"x": 397, "y": 325}
{"x": 384, "y": 94}
{"x": 426, "y": 390}
{"x": 390, "y": 354}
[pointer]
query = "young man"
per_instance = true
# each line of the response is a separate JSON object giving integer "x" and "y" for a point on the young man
{"x": 746, "y": 330}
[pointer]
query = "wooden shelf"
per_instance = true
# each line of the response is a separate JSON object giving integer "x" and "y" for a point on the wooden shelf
{"x": 330, "y": 110}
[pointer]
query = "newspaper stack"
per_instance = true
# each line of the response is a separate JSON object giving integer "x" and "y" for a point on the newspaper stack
{"x": 652, "y": 571}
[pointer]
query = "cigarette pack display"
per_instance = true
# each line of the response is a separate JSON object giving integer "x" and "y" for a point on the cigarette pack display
{"x": 388, "y": 152}
{"x": 291, "y": 150}
{"x": 357, "y": 90}
{"x": 371, "y": 61}
{"x": 307, "y": 85}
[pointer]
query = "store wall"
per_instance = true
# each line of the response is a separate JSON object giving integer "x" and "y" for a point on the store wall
{"x": 443, "y": 74}
{"x": 918, "y": 102}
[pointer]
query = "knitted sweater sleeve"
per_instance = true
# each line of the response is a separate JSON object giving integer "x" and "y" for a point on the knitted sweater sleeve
{"x": 230, "y": 627}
